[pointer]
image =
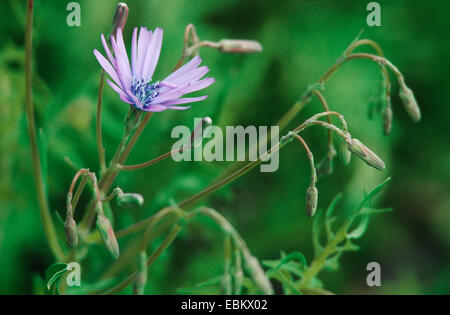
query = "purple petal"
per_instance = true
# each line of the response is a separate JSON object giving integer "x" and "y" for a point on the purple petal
{"x": 199, "y": 85}
{"x": 106, "y": 48}
{"x": 119, "y": 91}
{"x": 184, "y": 100}
{"x": 107, "y": 66}
{"x": 121, "y": 66}
{"x": 143, "y": 42}
{"x": 153, "y": 52}
{"x": 134, "y": 51}
{"x": 123, "y": 55}
{"x": 192, "y": 64}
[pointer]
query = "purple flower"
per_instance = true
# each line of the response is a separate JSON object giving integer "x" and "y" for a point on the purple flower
{"x": 134, "y": 84}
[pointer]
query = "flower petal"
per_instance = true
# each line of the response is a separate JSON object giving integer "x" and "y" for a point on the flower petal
{"x": 107, "y": 67}
{"x": 184, "y": 100}
{"x": 143, "y": 42}
{"x": 151, "y": 59}
{"x": 134, "y": 51}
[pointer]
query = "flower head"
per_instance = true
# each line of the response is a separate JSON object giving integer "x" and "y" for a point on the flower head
{"x": 134, "y": 83}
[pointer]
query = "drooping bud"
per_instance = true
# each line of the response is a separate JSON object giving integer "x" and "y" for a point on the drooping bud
{"x": 365, "y": 154}
{"x": 198, "y": 134}
{"x": 387, "y": 120}
{"x": 107, "y": 233}
{"x": 70, "y": 227}
{"x": 312, "y": 195}
{"x": 120, "y": 18}
{"x": 239, "y": 46}
{"x": 129, "y": 200}
{"x": 141, "y": 275}
{"x": 409, "y": 101}
{"x": 345, "y": 153}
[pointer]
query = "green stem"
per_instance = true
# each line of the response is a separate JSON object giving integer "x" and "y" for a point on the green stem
{"x": 319, "y": 262}
{"x": 46, "y": 218}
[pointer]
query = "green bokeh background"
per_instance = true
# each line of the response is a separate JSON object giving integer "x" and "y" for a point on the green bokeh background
{"x": 301, "y": 39}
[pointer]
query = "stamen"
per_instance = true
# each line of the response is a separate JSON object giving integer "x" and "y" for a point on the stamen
{"x": 144, "y": 90}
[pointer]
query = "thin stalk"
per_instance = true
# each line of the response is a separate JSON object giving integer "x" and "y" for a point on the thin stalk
{"x": 310, "y": 159}
{"x": 47, "y": 222}
{"x": 100, "y": 148}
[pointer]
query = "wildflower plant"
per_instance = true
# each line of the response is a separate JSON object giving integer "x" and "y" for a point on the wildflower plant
{"x": 243, "y": 272}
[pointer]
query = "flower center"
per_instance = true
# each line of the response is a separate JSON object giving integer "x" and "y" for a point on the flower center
{"x": 144, "y": 90}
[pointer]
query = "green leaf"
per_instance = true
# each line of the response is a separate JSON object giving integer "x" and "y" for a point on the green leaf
{"x": 372, "y": 194}
{"x": 361, "y": 228}
{"x": 318, "y": 248}
{"x": 53, "y": 273}
{"x": 292, "y": 256}
{"x": 287, "y": 283}
{"x": 332, "y": 206}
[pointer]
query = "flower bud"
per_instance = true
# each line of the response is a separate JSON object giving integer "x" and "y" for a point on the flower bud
{"x": 107, "y": 233}
{"x": 120, "y": 18}
{"x": 387, "y": 120}
{"x": 312, "y": 195}
{"x": 129, "y": 200}
{"x": 345, "y": 153}
{"x": 365, "y": 154}
{"x": 239, "y": 46}
{"x": 409, "y": 102}
{"x": 70, "y": 227}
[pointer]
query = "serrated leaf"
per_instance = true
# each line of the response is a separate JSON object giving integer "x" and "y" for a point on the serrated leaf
{"x": 333, "y": 262}
{"x": 332, "y": 206}
{"x": 318, "y": 248}
{"x": 348, "y": 246}
{"x": 372, "y": 194}
{"x": 286, "y": 282}
{"x": 54, "y": 272}
{"x": 292, "y": 256}
{"x": 361, "y": 228}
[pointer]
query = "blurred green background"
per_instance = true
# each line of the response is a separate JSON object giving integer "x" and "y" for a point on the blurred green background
{"x": 301, "y": 39}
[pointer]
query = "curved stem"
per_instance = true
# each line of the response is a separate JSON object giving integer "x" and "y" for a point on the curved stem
{"x": 311, "y": 160}
{"x": 46, "y": 218}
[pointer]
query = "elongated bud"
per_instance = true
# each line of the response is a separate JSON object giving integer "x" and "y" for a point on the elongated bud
{"x": 198, "y": 134}
{"x": 365, "y": 154}
{"x": 141, "y": 275}
{"x": 129, "y": 200}
{"x": 387, "y": 120}
{"x": 312, "y": 195}
{"x": 258, "y": 274}
{"x": 240, "y": 46}
{"x": 345, "y": 153}
{"x": 409, "y": 101}
{"x": 70, "y": 227}
{"x": 107, "y": 233}
{"x": 120, "y": 18}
